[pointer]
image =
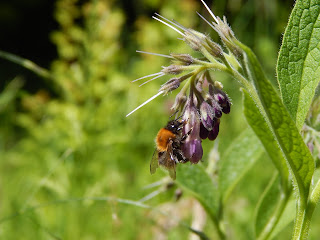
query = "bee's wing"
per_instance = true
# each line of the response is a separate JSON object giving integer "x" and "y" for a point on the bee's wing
{"x": 171, "y": 164}
{"x": 172, "y": 172}
{"x": 154, "y": 164}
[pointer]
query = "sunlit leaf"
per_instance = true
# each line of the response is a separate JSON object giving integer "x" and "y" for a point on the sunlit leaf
{"x": 299, "y": 60}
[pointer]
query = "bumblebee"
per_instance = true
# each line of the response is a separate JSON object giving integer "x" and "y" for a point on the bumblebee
{"x": 168, "y": 152}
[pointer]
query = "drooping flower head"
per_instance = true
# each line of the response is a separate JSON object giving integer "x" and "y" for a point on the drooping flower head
{"x": 201, "y": 101}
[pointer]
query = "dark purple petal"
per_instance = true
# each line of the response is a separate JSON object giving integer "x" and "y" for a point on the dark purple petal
{"x": 217, "y": 112}
{"x": 203, "y": 132}
{"x": 223, "y": 100}
{"x": 226, "y": 109}
{"x": 213, "y": 134}
{"x": 216, "y": 109}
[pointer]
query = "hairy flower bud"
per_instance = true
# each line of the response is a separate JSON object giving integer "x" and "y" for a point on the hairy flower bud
{"x": 184, "y": 58}
{"x": 216, "y": 94}
{"x": 223, "y": 100}
{"x": 179, "y": 101}
{"x": 172, "y": 69}
{"x": 227, "y": 36}
{"x": 194, "y": 39}
{"x": 170, "y": 85}
{"x": 214, "y": 48}
{"x": 215, "y": 131}
{"x": 203, "y": 132}
{"x": 216, "y": 108}
{"x": 207, "y": 114}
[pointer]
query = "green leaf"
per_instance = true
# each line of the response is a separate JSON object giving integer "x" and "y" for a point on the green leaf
{"x": 196, "y": 180}
{"x": 266, "y": 206}
{"x": 237, "y": 160}
{"x": 270, "y": 208}
{"x": 286, "y": 218}
{"x": 299, "y": 59}
{"x": 262, "y": 130}
{"x": 285, "y": 131}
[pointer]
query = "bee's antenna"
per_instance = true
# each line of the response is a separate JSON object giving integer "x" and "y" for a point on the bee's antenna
{"x": 179, "y": 117}
{"x": 174, "y": 114}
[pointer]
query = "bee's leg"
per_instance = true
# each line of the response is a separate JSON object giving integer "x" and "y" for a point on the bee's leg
{"x": 173, "y": 157}
{"x": 180, "y": 157}
{"x": 184, "y": 160}
{"x": 184, "y": 137}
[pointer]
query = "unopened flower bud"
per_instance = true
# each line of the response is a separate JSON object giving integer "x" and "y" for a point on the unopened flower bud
{"x": 214, "y": 48}
{"x": 220, "y": 97}
{"x": 216, "y": 108}
{"x": 227, "y": 36}
{"x": 172, "y": 69}
{"x": 184, "y": 58}
{"x": 170, "y": 85}
{"x": 194, "y": 39}
{"x": 215, "y": 131}
{"x": 179, "y": 101}
{"x": 223, "y": 100}
{"x": 203, "y": 132}
{"x": 207, "y": 114}
{"x": 192, "y": 119}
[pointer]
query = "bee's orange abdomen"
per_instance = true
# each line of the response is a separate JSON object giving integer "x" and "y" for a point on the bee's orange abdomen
{"x": 163, "y": 138}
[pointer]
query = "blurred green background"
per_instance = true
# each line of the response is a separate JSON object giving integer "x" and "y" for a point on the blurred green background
{"x": 64, "y": 137}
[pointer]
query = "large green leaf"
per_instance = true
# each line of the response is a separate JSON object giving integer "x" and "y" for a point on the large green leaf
{"x": 283, "y": 127}
{"x": 299, "y": 59}
{"x": 195, "y": 179}
{"x": 262, "y": 130}
{"x": 237, "y": 160}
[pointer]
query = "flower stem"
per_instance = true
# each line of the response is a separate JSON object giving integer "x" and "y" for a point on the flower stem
{"x": 302, "y": 225}
{"x": 42, "y": 72}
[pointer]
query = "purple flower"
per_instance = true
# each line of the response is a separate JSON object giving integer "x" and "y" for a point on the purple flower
{"x": 212, "y": 135}
{"x": 207, "y": 114}
{"x": 223, "y": 100}
{"x": 220, "y": 97}
{"x": 192, "y": 148}
{"x": 203, "y": 132}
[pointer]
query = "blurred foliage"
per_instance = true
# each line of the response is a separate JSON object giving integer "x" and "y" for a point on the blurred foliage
{"x": 73, "y": 141}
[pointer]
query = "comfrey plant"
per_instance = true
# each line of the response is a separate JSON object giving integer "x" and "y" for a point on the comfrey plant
{"x": 275, "y": 120}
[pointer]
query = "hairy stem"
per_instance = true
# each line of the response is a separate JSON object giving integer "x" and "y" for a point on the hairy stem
{"x": 302, "y": 226}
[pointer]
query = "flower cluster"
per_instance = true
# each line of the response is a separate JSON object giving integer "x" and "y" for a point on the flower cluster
{"x": 201, "y": 109}
{"x": 201, "y": 101}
